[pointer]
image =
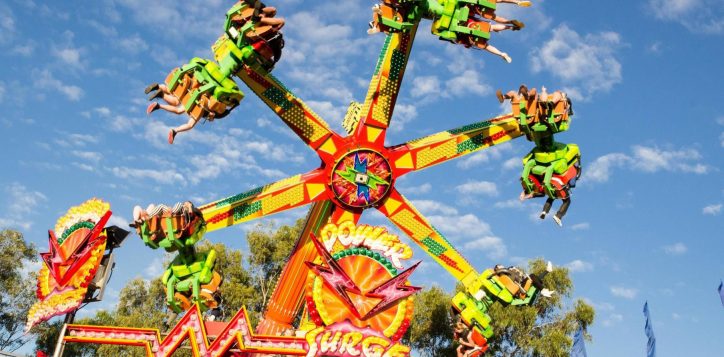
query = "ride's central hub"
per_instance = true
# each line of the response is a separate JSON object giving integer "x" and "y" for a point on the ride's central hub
{"x": 361, "y": 178}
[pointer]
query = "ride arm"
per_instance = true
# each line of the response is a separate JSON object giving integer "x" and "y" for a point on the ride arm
{"x": 376, "y": 114}
{"x": 444, "y": 146}
{"x": 408, "y": 219}
{"x": 311, "y": 128}
{"x": 263, "y": 201}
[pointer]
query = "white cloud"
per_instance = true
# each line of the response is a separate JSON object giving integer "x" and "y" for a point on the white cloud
{"x": 117, "y": 220}
{"x": 478, "y": 188}
{"x": 493, "y": 246}
{"x": 20, "y": 203}
{"x": 712, "y": 210}
{"x": 404, "y": 113}
{"x": 467, "y": 225}
{"x": 7, "y": 24}
{"x": 467, "y": 82}
{"x": 647, "y": 159}
{"x": 675, "y": 249}
{"x": 273, "y": 151}
{"x": 601, "y": 169}
{"x": 466, "y": 229}
{"x": 581, "y": 226}
{"x": 587, "y": 62}
{"x": 429, "y": 207}
{"x": 512, "y": 163}
{"x": 133, "y": 44}
{"x": 652, "y": 159}
{"x": 154, "y": 269}
{"x": 511, "y": 203}
{"x": 84, "y": 167}
{"x": 423, "y": 86}
{"x": 45, "y": 80}
{"x": 579, "y": 266}
{"x": 69, "y": 56}
{"x": 623, "y": 292}
{"x": 416, "y": 190}
{"x": 167, "y": 177}
{"x": 612, "y": 319}
{"x": 92, "y": 156}
{"x": 698, "y": 16}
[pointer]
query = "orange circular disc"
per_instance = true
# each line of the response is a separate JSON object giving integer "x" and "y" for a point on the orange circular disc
{"x": 368, "y": 273}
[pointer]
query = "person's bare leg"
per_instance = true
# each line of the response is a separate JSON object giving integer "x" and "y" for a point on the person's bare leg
{"x": 176, "y": 109}
{"x": 186, "y": 127}
{"x": 509, "y": 95}
{"x": 499, "y": 27}
{"x": 269, "y": 11}
{"x": 497, "y": 52}
{"x": 501, "y": 20}
{"x": 171, "y": 99}
{"x": 276, "y": 23}
{"x": 523, "y": 3}
{"x": 556, "y": 97}
{"x": 181, "y": 128}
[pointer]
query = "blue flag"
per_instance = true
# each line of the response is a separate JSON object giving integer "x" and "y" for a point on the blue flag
{"x": 721, "y": 292}
{"x": 579, "y": 346}
{"x": 651, "y": 345}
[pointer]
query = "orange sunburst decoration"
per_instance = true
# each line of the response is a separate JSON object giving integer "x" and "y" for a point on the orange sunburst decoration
{"x": 76, "y": 248}
{"x": 358, "y": 287}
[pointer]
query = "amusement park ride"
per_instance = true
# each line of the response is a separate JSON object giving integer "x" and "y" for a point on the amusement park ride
{"x": 345, "y": 289}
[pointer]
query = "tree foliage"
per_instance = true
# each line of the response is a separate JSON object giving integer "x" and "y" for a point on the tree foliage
{"x": 16, "y": 293}
{"x": 430, "y": 332}
{"x": 544, "y": 329}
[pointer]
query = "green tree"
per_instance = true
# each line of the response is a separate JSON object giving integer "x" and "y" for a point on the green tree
{"x": 544, "y": 329}
{"x": 430, "y": 332}
{"x": 16, "y": 294}
{"x": 269, "y": 250}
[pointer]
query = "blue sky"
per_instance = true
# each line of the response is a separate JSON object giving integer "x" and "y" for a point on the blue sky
{"x": 646, "y": 220}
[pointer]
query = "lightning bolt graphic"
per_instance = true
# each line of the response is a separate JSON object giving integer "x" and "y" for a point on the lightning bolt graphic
{"x": 334, "y": 276}
{"x": 392, "y": 291}
{"x": 54, "y": 258}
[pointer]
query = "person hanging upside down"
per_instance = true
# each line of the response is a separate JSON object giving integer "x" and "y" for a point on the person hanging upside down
{"x": 489, "y": 14}
{"x": 173, "y": 106}
{"x": 523, "y": 93}
{"x": 464, "y": 337}
{"x": 264, "y": 15}
{"x": 482, "y": 43}
{"x": 520, "y": 3}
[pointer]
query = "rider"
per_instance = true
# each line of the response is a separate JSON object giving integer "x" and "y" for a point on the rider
{"x": 174, "y": 106}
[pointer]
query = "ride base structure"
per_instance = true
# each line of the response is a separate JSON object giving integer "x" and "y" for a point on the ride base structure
{"x": 344, "y": 290}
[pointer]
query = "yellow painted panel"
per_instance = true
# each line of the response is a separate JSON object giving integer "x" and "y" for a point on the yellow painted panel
{"x": 407, "y": 220}
{"x": 429, "y": 155}
{"x": 279, "y": 184}
{"x": 391, "y": 205}
{"x": 289, "y": 197}
{"x": 328, "y": 146}
{"x": 373, "y": 133}
{"x": 314, "y": 190}
{"x": 405, "y": 162}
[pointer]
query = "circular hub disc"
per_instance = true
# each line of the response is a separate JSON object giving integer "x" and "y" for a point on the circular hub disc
{"x": 361, "y": 178}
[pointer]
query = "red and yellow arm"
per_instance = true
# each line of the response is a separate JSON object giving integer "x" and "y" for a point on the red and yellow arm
{"x": 444, "y": 146}
{"x": 263, "y": 201}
